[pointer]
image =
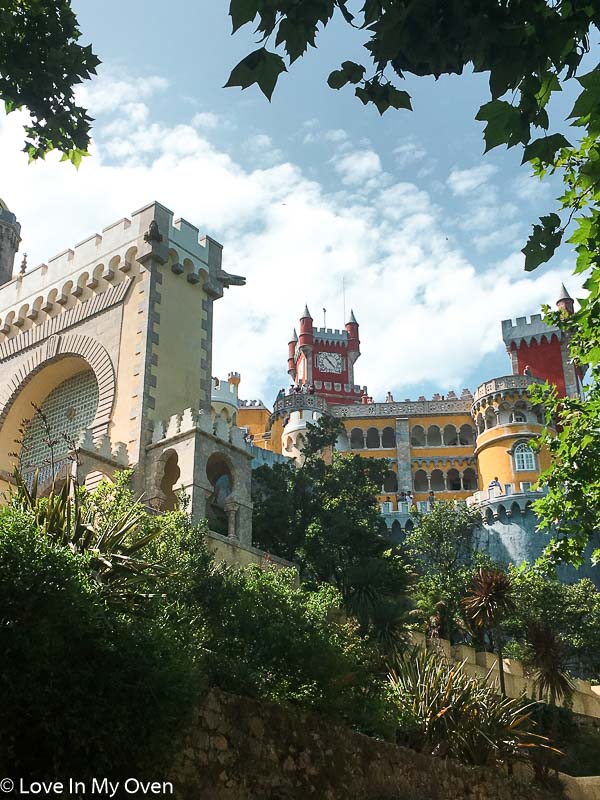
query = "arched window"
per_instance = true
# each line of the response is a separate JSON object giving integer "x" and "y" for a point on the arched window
{"x": 524, "y": 458}
{"x": 434, "y": 436}
{"x": 391, "y": 482}
{"x": 450, "y": 437}
{"x": 388, "y": 438}
{"x": 490, "y": 418}
{"x": 453, "y": 478}
{"x": 437, "y": 480}
{"x": 357, "y": 441}
{"x": 417, "y": 436}
{"x": 420, "y": 481}
{"x": 221, "y": 479}
{"x": 373, "y": 441}
{"x": 170, "y": 477}
{"x": 68, "y": 410}
{"x": 396, "y": 532}
{"x": 466, "y": 435}
{"x": 470, "y": 480}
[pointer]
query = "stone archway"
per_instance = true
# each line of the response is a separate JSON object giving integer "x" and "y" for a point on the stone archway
{"x": 61, "y": 346}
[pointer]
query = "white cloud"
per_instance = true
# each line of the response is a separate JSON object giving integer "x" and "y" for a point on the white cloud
{"x": 408, "y": 153}
{"x": 426, "y": 313}
{"x": 463, "y": 181}
{"x": 108, "y": 93}
{"x": 206, "y": 120}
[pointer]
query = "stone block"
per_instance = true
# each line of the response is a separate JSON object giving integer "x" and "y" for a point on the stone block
{"x": 462, "y": 652}
{"x": 487, "y": 660}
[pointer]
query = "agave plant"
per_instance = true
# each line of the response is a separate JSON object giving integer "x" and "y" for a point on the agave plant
{"x": 487, "y": 604}
{"x": 113, "y": 552}
{"x": 452, "y": 714}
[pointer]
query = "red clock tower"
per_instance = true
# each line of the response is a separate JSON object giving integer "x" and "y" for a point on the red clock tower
{"x": 324, "y": 358}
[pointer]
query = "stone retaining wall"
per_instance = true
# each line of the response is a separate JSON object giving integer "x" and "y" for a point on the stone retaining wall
{"x": 242, "y": 749}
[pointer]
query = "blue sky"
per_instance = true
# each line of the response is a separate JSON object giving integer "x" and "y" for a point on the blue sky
{"x": 424, "y": 229}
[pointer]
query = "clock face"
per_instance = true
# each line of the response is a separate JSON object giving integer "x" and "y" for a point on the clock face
{"x": 329, "y": 362}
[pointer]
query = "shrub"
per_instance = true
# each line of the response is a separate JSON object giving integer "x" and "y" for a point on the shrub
{"x": 85, "y": 690}
{"x": 443, "y": 711}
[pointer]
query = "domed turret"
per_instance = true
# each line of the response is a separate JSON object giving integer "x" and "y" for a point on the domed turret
{"x": 10, "y": 236}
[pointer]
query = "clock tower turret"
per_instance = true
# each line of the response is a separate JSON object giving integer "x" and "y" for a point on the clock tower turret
{"x": 323, "y": 360}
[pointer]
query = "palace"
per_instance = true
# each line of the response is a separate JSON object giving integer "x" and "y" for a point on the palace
{"x": 473, "y": 447}
{"x": 105, "y": 364}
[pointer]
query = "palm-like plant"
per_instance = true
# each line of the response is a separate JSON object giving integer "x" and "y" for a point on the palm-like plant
{"x": 546, "y": 659}
{"x": 444, "y": 711}
{"x": 113, "y": 551}
{"x": 486, "y": 606}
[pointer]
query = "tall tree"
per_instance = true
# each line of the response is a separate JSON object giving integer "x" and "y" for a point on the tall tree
{"x": 323, "y": 515}
{"x": 443, "y": 552}
{"x": 41, "y": 61}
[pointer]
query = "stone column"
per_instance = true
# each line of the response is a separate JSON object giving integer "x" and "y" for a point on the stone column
{"x": 405, "y": 482}
{"x": 231, "y": 509}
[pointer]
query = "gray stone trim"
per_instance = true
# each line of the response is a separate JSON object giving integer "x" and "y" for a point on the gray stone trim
{"x": 59, "y": 347}
{"x": 89, "y": 308}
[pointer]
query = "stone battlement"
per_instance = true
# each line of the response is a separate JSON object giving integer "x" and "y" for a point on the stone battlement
{"x": 527, "y": 329}
{"x": 97, "y": 259}
{"x": 196, "y": 419}
{"x": 330, "y": 335}
{"x": 252, "y": 404}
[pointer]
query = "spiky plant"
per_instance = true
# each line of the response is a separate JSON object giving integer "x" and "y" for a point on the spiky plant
{"x": 113, "y": 552}
{"x": 446, "y": 712}
{"x": 486, "y": 606}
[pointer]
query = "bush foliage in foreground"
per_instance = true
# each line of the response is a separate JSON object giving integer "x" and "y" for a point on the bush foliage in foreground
{"x": 97, "y": 681}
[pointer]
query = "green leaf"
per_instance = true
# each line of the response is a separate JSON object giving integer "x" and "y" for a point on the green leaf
{"x": 243, "y": 11}
{"x": 545, "y": 148}
{"x": 505, "y": 124}
{"x": 543, "y": 242}
{"x": 399, "y": 99}
{"x": 354, "y": 72}
{"x": 337, "y": 79}
{"x": 261, "y": 67}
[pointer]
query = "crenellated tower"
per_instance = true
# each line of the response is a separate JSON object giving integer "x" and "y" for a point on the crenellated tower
{"x": 324, "y": 358}
{"x": 542, "y": 351}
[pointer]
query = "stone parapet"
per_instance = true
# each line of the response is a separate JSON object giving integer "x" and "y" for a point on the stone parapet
{"x": 507, "y": 384}
{"x": 407, "y": 408}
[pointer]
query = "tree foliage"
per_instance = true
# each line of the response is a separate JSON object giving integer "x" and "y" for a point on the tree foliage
{"x": 324, "y": 516}
{"x": 443, "y": 553}
{"x": 41, "y": 61}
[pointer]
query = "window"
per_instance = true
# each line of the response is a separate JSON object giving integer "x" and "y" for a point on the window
{"x": 524, "y": 458}
{"x": 518, "y": 418}
{"x": 525, "y": 486}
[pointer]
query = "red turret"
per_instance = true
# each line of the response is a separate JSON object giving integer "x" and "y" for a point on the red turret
{"x": 542, "y": 351}
{"x": 353, "y": 340}
{"x": 306, "y": 329}
{"x": 292, "y": 355}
